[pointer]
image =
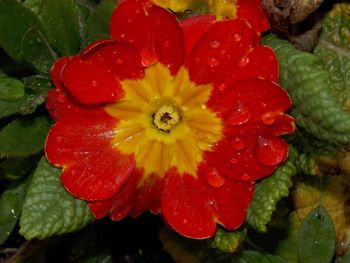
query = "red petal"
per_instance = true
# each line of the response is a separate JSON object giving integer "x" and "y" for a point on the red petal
{"x": 81, "y": 144}
{"x": 56, "y": 71}
{"x": 194, "y": 27}
{"x": 193, "y": 207}
{"x": 93, "y": 77}
{"x": 252, "y": 11}
{"x": 220, "y": 53}
{"x": 153, "y": 30}
{"x": 253, "y": 107}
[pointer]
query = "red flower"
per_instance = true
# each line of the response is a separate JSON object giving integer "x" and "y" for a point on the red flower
{"x": 176, "y": 118}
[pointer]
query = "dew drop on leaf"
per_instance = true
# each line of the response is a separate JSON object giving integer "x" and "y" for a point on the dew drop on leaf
{"x": 214, "y": 178}
{"x": 239, "y": 115}
{"x": 270, "y": 150}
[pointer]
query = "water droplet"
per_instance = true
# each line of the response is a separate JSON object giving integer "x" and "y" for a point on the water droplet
{"x": 170, "y": 65}
{"x": 214, "y": 178}
{"x": 268, "y": 117}
{"x": 94, "y": 83}
{"x": 214, "y": 43}
{"x": 59, "y": 139}
{"x": 61, "y": 98}
{"x": 270, "y": 150}
{"x": 238, "y": 144}
{"x": 166, "y": 43}
{"x": 233, "y": 160}
{"x": 243, "y": 61}
{"x": 239, "y": 115}
{"x": 129, "y": 20}
{"x": 122, "y": 35}
{"x": 251, "y": 188}
{"x": 222, "y": 87}
{"x": 237, "y": 37}
{"x": 119, "y": 61}
{"x": 212, "y": 61}
{"x": 245, "y": 177}
{"x": 184, "y": 221}
{"x": 203, "y": 106}
{"x": 137, "y": 11}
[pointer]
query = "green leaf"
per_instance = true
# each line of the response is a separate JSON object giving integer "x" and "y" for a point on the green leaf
{"x": 60, "y": 20}
{"x": 98, "y": 23}
{"x": 35, "y": 94}
{"x": 24, "y": 137}
{"x": 269, "y": 191}
{"x": 48, "y": 208}
{"x": 37, "y": 50}
{"x": 345, "y": 258}
{"x": 317, "y": 237}
{"x": 11, "y": 89}
{"x": 227, "y": 241}
{"x": 14, "y": 169}
{"x": 256, "y": 257}
{"x": 10, "y": 207}
{"x": 15, "y": 21}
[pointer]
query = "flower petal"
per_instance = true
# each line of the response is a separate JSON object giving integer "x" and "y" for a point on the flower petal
{"x": 220, "y": 53}
{"x": 153, "y": 30}
{"x": 194, "y": 27}
{"x": 56, "y": 71}
{"x": 81, "y": 144}
{"x": 93, "y": 77}
{"x": 253, "y": 12}
{"x": 192, "y": 206}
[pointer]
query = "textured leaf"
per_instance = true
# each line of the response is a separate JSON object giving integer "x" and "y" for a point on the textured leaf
{"x": 15, "y": 20}
{"x": 317, "y": 108}
{"x": 98, "y": 23}
{"x": 11, "y": 89}
{"x": 14, "y": 169}
{"x": 24, "y": 137}
{"x": 48, "y": 208}
{"x": 227, "y": 241}
{"x": 37, "y": 50}
{"x": 269, "y": 191}
{"x": 60, "y": 20}
{"x": 10, "y": 207}
{"x": 317, "y": 237}
{"x": 35, "y": 94}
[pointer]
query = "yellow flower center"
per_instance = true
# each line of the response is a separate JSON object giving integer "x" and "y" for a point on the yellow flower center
{"x": 164, "y": 121}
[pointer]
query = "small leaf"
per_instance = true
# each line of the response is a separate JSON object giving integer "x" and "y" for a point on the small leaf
{"x": 15, "y": 20}
{"x": 59, "y": 17}
{"x": 227, "y": 241}
{"x": 48, "y": 208}
{"x": 15, "y": 169}
{"x": 98, "y": 23}
{"x": 269, "y": 191}
{"x": 37, "y": 50}
{"x": 11, "y": 89}
{"x": 317, "y": 237}
{"x": 10, "y": 207}
{"x": 24, "y": 137}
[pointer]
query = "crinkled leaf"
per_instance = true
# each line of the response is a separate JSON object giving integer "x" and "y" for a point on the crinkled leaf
{"x": 308, "y": 83}
{"x": 35, "y": 94}
{"x": 15, "y": 21}
{"x": 60, "y": 20}
{"x": 317, "y": 237}
{"x": 10, "y": 207}
{"x": 14, "y": 169}
{"x": 24, "y": 137}
{"x": 37, "y": 50}
{"x": 269, "y": 191}
{"x": 98, "y": 23}
{"x": 11, "y": 89}
{"x": 227, "y": 241}
{"x": 48, "y": 208}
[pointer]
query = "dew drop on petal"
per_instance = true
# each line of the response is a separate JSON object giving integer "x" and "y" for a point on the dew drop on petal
{"x": 222, "y": 87}
{"x": 166, "y": 43}
{"x": 59, "y": 139}
{"x": 239, "y": 115}
{"x": 214, "y": 178}
{"x": 119, "y": 61}
{"x": 233, "y": 160}
{"x": 237, "y": 37}
{"x": 268, "y": 117}
{"x": 122, "y": 35}
{"x": 243, "y": 61}
{"x": 212, "y": 61}
{"x": 270, "y": 150}
{"x": 94, "y": 83}
{"x": 61, "y": 98}
{"x": 238, "y": 144}
{"x": 245, "y": 177}
{"x": 214, "y": 43}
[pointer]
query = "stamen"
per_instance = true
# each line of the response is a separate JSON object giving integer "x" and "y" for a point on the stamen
{"x": 166, "y": 117}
